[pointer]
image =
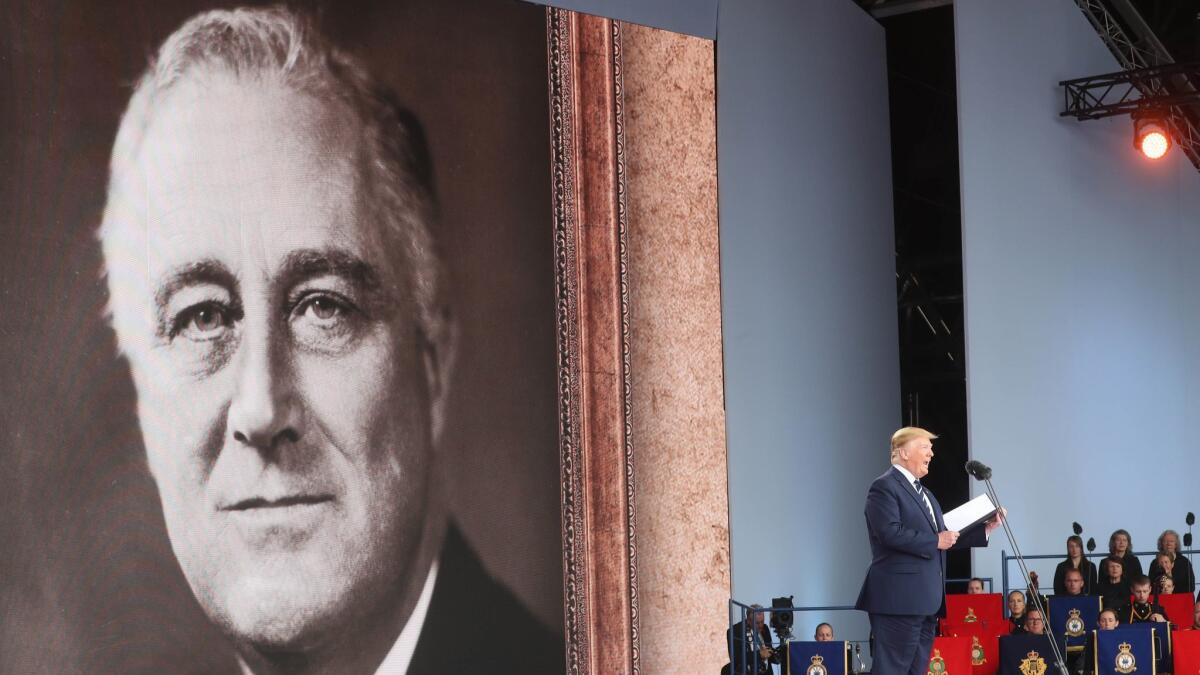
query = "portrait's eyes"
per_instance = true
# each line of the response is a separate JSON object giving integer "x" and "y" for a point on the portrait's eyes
{"x": 324, "y": 320}
{"x": 203, "y": 322}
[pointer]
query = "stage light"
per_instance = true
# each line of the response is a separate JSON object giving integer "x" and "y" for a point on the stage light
{"x": 1150, "y": 136}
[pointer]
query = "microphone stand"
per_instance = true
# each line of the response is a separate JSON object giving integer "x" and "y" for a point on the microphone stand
{"x": 1037, "y": 597}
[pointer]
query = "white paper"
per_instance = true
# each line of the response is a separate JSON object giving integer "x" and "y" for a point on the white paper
{"x": 972, "y": 513}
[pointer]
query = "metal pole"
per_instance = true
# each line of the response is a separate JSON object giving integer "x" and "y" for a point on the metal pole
{"x": 1037, "y": 597}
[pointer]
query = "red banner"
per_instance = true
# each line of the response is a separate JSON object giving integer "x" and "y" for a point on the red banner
{"x": 1187, "y": 652}
{"x": 985, "y": 643}
{"x": 951, "y": 656}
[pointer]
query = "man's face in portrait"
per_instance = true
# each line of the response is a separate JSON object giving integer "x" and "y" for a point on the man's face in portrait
{"x": 824, "y": 633}
{"x": 975, "y": 587}
{"x": 1074, "y": 582}
{"x": 283, "y": 386}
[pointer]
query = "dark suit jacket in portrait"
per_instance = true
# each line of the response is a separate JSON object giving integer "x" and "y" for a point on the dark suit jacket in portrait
{"x": 908, "y": 572}
{"x": 476, "y": 625}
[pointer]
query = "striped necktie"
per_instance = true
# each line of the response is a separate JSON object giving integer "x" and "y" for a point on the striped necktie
{"x": 928, "y": 506}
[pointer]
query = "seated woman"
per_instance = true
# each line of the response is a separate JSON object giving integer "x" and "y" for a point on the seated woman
{"x": 1075, "y": 561}
{"x": 1165, "y": 585}
{"x": 1113, "y": 585}
{"x": 1181, "y": 571}
{"x": 1016, "y": 611}
{"x": 1106, "y": 621}
{"x": 1120, "y": 545}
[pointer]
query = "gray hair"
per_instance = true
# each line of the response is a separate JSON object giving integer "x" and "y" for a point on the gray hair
{"x": 281, "y": 46}
{"x": 1164, "y": 535}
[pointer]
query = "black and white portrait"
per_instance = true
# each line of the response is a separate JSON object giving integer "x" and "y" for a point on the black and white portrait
{"x": 278, "y": 351}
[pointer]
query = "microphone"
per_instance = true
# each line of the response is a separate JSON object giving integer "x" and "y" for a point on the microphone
{"x": 1091, "y": 544}
{"x": 1077, "y": 528}
{"x": 1190, "y": 519}
{"x": 979, "y": 470}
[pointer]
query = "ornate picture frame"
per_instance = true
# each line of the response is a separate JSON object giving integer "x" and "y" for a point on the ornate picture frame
{"x": 593, "y": 336}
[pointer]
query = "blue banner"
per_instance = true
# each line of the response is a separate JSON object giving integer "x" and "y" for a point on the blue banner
{"x": 1072, "y": 617}
{"x": 1126, "y": 649}
{"x": 1026, "y": 654}
{"x": 817, "y": 658}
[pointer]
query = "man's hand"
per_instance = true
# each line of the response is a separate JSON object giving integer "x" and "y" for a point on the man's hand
{"x": 1157, "y": 617}
{"x": 764, "y": 652}
{"x": 946, "y": 539}
{"x": 996, "y": 520}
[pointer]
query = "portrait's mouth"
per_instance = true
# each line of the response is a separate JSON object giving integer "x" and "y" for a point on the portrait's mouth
{"x": 280, "y": 503}
{"x": 280, "y": 523}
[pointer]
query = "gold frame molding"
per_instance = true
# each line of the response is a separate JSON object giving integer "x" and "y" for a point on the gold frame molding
{"x": 592, "y": 323}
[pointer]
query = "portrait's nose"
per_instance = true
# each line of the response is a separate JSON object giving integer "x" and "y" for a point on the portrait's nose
{"x": 263, "y": 413}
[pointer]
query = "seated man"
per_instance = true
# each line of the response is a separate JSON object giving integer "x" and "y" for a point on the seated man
{"x": 1034, "y": 623}
{"x": 755, "y": 650}
{"x": 1141, "y": 610}
{"x": 1073, "y": 581}
{"x": 1113, "y": 587}
{"x": 1016, "y": 611}
{"x": 975, "y": 586}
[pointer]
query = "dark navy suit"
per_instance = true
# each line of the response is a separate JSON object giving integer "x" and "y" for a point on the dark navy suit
{"x": 904, "y": 592}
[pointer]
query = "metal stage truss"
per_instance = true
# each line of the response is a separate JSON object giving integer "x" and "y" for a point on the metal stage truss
{"x": 1163, "y": 89}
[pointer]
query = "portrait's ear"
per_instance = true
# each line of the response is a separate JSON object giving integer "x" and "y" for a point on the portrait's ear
{"x": 438, "y": 354}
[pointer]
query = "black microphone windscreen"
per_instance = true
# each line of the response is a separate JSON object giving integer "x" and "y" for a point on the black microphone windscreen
{"x": 978, "y": 470}
{"x": 1191, "y": 519}
{"x": 1187, "y": 540}
{"x": 1091, "y": 544}
{"x": 1076, "y": 528}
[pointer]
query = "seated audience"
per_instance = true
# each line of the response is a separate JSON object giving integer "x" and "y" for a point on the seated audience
{"x": 1141, "y": 610}
{"x": 1120, "y": 545}
{"x": 824, "y": 633}
{"x": 975, "y": 586}
{"x": 1034, "y": 589}
{"x": 1016, "y": 611}
{"x": 1106, "y": 621}
{"x": 1113, "y": 585}
{"x": 1073, "y": 583}
{"x": 1166, "y": 585}
{"x": 1034, "y": 623}
{"x": 750, "y": 654}
{"x": 1180, "y": 569}
{"x": 1075, "y": 561}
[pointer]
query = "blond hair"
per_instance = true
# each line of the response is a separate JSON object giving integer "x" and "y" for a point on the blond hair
{"x": 907, "y": 434}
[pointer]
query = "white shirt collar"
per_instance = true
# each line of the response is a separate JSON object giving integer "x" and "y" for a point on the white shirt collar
{"x": 906, "y": 472}
{"x": 398, "y": 659}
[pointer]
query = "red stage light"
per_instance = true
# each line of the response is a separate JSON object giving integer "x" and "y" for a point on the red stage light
{"x": 1150, "y": 137}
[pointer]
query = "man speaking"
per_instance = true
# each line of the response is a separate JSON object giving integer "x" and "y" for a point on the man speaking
{"x": 904, "y": 592}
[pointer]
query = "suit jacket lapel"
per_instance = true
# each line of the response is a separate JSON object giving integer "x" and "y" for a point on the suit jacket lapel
{"x": 912, "y": 492}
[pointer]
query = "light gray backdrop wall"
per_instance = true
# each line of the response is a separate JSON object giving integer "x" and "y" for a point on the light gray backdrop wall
{"x": 808, "y": 294}
{"x": 1082, "y": 286}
